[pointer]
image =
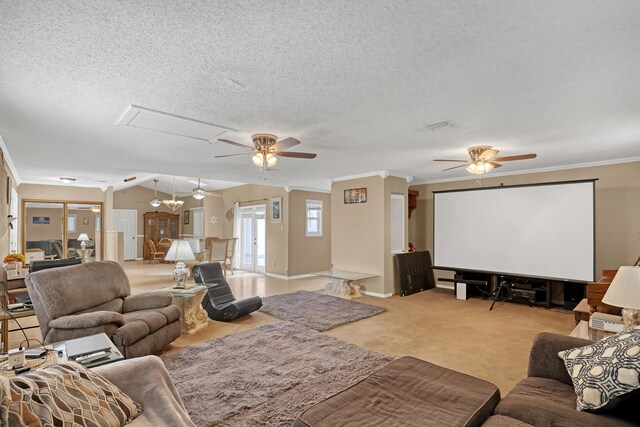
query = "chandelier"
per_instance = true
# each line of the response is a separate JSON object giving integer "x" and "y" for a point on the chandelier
{"x": 172, "y": 203}
{"x": 198, "y": 193}
{"x": 155, "y": 202}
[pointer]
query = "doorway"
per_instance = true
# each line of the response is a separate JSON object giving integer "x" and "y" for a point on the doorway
{"x": 253, "y": 238}
{"x": 126, "y": 221}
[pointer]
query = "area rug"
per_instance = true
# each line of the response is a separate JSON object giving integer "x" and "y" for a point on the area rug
{"x": 317, "y": 311}
{"x": 265, "y": 376}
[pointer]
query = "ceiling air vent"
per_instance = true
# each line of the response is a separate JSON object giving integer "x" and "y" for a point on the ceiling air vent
{"x": 439, "y": 125}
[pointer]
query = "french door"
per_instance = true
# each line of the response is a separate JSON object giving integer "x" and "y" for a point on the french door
{"x": 253, "y": 238}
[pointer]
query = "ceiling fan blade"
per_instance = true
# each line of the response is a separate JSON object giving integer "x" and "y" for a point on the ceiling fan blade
{"x": 237, "y": 144}
{"x": 446, "y": 160}
{"x": 511, "y": 158}
{"x": 231, "y": 155}
{"x": 455, "y": 167}
{"x": 488, "y": 154}
{"x": 295, "y": 154}
{"x": 284, "y": 144}
{"x": 495, "y": 165}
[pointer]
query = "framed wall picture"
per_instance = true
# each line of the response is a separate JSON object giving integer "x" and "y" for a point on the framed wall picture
{"x": 85, "y": 221}
{"x": 276, "y": 209}
{"x": 187, "y": 214}
{"x": 41, "y": 220}
{"x": 355, "y": 195}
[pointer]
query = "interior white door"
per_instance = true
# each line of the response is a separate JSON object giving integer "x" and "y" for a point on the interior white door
{"x": 126, "y": 220}
{"x": 253, "y": 238}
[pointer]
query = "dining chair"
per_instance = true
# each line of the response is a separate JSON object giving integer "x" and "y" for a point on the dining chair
{"x": 154, "y": 253}
{"x": 218, "y": 253}
{"x": 231, "y": 253}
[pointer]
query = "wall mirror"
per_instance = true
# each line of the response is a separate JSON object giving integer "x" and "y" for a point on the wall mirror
{"x": 62, "y": 229}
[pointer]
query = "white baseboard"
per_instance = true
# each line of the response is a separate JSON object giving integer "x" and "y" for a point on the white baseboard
{"x": 375, "y": 294}
{"x": 445, "y": 286}
{"x": 279, "y": 276}
{"x": 139, "y": 259}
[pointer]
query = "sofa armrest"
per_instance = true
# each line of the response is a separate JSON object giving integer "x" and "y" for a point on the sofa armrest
{"x": 146, "y": 301}
{"x": 87, "y": 320}
{"x": 147, "y": 382}
{"x": 543, "y": 359}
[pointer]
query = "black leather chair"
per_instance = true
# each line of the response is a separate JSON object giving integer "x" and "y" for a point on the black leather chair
{"x": 219, "y": 301}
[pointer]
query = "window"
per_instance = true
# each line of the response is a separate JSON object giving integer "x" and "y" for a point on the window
{"x": 397, "y": 223}
{"x": 314, "y": 218}
{"x": 197, "y": 216}
{"x": 71, "y": 223}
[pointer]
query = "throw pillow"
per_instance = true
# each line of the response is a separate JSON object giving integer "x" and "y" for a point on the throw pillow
{"x": 604, "y": 372}
{"x": 64, "y": 395}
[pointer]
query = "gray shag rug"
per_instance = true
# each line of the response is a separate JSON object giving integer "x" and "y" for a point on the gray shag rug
{"x": 317, "y": 311}
{"x": 265, "y": 376}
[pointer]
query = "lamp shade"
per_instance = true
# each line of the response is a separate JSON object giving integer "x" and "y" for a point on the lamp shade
{"x": 180, "y": 250}
{"x": 624, "y": 290}
{"x": 83, "y": 237}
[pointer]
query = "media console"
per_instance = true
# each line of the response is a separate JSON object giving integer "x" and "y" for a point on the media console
{"x": 536, "y": 291}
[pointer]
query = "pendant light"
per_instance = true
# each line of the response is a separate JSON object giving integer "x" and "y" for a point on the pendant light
{"x": 155, "y": 202}
{"x": 198, "y": 193}
{"x": 173, "y": 204}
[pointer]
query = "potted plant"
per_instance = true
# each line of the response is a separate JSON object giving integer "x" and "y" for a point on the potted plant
{"x": 14, "y": 261}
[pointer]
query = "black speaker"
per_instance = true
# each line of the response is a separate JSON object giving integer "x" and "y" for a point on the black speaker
{"x": 573, "y": 294}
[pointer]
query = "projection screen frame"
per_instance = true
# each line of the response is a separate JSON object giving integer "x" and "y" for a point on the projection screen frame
{"x": 510, "y": 274}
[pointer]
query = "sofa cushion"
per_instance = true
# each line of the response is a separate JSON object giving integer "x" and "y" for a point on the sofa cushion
{"x": 407, "y": 392}
{"x": 65, "y": 394}
{"x": 605, "y": 371}
{"x": 546, "y": 402}
{"x": 156, "y": 318}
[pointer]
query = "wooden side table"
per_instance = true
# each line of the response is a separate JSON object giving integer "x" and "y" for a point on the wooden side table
{"x": 192, "y": 316}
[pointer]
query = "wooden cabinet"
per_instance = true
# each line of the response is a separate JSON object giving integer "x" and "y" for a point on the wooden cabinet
{"x": 158, "y": 226}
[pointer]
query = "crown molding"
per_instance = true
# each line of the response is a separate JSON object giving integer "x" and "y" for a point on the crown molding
{"x": 539, "y": 170}
{"x": 382, "y": 174}
{"x": 291, "y": 188}
{"x": 9, "y": 162}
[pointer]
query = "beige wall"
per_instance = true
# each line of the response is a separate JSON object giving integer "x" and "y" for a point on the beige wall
{"x": 214, "y": 207}
{"x": 308, "y": 254}
{"x": 53, "y": 230}
{"x": 277, "y": 234}
{"x": 81, "y": 227}
{"x": 617, "y": 208}
{"x": 357, "y": 231}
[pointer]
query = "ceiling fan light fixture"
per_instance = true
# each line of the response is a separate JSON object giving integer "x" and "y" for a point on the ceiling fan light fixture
{"x": 198, "y": 192}
{"x": 479, "y": 168}
{"x": 271, "y": 160}
{"x": 258, "y": 159}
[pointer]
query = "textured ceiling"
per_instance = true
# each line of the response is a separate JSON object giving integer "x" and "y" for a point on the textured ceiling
{"x": 355, "y": 81}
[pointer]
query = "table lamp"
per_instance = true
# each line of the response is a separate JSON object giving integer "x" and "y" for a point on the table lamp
{"x": 83, "y": 239}
{"x": 180, "y": 251}
{"x": 624, "y": 292}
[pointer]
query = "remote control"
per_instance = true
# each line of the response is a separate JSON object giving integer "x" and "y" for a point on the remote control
{"x": 92, "y": 357}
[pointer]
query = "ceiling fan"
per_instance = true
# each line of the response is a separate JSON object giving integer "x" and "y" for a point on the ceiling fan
{"x": 267, "y": 148}
{"x": 483, "y": 159}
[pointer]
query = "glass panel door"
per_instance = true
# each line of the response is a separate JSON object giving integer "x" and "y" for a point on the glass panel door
{"x": 44, "y": 231}
{"x": 253, "y": 238}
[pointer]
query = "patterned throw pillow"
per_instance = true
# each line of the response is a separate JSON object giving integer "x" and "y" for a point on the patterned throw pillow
{"x": 64, "y": 395}
{"x": 605, "y": 371}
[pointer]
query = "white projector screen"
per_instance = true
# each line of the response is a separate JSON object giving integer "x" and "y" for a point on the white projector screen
{"x": 544, "y": 230}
